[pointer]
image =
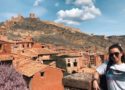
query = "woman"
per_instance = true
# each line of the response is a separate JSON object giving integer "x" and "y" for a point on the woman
{"x": 113, "y": 69}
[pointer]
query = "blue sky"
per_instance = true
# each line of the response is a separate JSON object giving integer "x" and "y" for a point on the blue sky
{"x": 100, "y": 17}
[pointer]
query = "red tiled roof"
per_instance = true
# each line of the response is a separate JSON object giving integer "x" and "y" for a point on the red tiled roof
{"x": 29, "y": 53}
{"x": 37, "y": 45}
{"x": 42, "y": 51}
{"x": 28, "y": 67}
{"x": 24, "y": 53}
{"x": 31, "y": 68}
{"x": 5, "y": 57}
{"x": 18, "y": 56}
{"x": 4, "y": 41}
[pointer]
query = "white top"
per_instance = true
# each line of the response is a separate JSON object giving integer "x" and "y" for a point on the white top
{"x": 115, "y": 75}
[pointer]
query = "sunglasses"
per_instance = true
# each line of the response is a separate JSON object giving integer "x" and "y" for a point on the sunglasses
{"x": 115, "y": 53}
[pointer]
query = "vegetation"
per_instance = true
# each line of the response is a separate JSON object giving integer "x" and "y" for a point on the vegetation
{"x": 10, "y": 79}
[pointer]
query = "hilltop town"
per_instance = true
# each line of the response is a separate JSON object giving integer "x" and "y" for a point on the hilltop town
{"x": 40, "y": 62}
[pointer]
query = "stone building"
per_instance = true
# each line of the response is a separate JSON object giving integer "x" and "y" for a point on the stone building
{"x": 39, "y": 76}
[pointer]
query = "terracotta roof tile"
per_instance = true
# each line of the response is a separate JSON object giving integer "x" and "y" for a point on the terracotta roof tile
{"x": 37, "y": 45}
{"x": 42, "y": 51}
{"x": 28, "y": 52}
{"x": 29, "y": 67}
{"x": 18, "y": 56}
{"x": 5, "y": 57}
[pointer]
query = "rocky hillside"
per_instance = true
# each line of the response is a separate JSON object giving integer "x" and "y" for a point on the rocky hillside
{"x": 58, "y": 34}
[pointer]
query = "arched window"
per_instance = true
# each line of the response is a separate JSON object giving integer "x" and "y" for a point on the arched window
{"x": 69, "y": 65}
{"x": 73, "y": 72}
{"x": 75, "y": 64}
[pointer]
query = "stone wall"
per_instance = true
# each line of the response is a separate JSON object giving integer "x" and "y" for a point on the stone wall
{"x": 78, "y": 81}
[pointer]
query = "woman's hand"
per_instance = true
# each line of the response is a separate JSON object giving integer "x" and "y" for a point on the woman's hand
{"x": 96, "y": 85}
{"x": 95, "y": 81}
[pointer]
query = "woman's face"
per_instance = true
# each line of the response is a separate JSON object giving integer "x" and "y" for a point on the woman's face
{"x": 116, "y": 55}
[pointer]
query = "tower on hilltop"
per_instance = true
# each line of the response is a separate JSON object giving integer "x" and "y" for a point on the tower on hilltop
{"x": 32, "y": 15}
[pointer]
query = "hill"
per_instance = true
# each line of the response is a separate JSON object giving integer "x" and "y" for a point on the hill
{"x": 58, "y": 34}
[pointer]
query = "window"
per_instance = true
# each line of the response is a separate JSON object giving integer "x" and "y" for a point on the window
{"x": 68, "y": 60}
{"x": 69, "y": 65}
{"x": 75, "y": 64}
{"x": 23, "y": 46}
{"x": 73, "y": 72}
{"x": 34, "y": 58}
{"x": 22, "y": 51}
{"x": 42, "y": 74}
{"x": 28, "y": 45}
{"x": 0, "y": 46}
{"x": 92, "y": 60}
{"x": 43, "y": 47}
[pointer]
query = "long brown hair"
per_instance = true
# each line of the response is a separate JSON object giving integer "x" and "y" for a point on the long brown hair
{"x": 110, "y": 62}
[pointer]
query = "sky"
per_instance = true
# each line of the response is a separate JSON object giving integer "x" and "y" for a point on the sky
{"x": 98, "y": 17}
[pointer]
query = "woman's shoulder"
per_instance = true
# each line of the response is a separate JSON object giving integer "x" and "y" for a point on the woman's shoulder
{"x": 104, "y": 64}
{"x": 120, "y": 67}
{"x": 102, "y": 68}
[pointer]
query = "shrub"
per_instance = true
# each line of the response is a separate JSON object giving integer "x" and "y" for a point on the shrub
{"x": 10, "y": 79}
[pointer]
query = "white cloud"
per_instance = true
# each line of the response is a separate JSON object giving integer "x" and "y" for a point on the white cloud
{"x": 69, "y": 16}
{"x": 73, "y": 13}
{"x": 80, "y": 2}
{"x": 85, "y": 10}
{"x": 93, "y": 10}
{"x": 70, "y": 22}
{"x": 37, "y": 2}
{"x": 88, "y": 16}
